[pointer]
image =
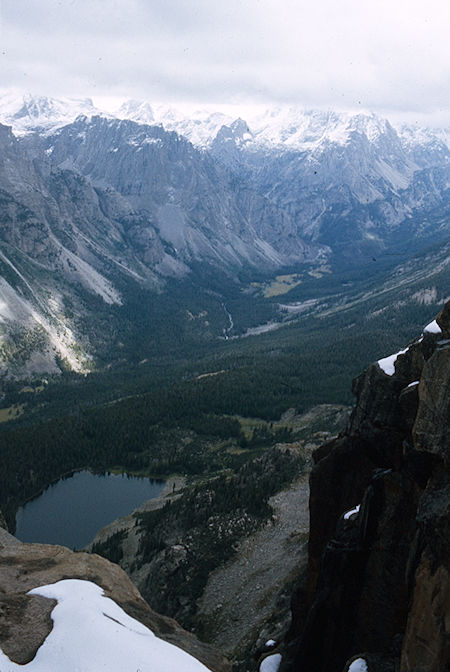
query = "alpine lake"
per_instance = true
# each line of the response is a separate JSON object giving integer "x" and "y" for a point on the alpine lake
{"x": 73, "y": 510}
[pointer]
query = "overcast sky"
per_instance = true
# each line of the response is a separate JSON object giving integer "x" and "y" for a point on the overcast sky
{"x": 391, "y": 56}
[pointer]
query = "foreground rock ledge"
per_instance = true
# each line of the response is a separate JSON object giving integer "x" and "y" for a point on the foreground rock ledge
{"x": 25, "y": 620}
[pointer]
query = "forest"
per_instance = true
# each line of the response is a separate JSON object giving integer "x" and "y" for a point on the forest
{"x": 129, "y": 416}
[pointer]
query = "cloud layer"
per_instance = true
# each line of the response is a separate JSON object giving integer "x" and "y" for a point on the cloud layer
{"x": 375, "y": 53}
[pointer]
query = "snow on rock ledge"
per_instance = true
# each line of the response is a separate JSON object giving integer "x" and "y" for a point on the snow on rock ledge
{"x": 387, "y": 364}
{"x": 432, "y": 328}
{"x": 105, "y": 606}
{"x": 271, "y": 663}
{"x": 350, "y": 513}
{"x": 91, "y": 633}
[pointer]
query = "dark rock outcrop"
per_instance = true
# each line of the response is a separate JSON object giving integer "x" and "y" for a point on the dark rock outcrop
{"x": 379, "y": 561}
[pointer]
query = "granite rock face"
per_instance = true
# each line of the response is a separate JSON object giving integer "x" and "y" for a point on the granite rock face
{"x": 379, "y": 562}
{"x": 25, "y": 620}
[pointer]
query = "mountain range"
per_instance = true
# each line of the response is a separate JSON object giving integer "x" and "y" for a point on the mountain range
{"x": 107, "y": 206}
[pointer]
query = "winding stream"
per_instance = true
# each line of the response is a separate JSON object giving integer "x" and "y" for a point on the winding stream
{"x": 227, "y": 330}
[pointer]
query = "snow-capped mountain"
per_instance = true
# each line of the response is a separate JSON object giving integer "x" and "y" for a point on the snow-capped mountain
{"x": 103, "y": 206}
{"x": 350, "y": 182}
{"x": 27, "y": 113}
{"x": 93, "y": 202}
{"x": 353, "y": 182}
{"x": 199, "y": 127}
{"x": 186, "y": 199}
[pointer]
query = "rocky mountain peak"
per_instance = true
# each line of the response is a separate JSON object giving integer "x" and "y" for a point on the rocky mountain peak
{"x": 28, "y": 113}
{"x": 137, "y": 110}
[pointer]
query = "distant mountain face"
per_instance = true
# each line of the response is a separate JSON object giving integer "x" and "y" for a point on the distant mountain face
{"x": 102, "y": 205}
{"x": 96, "y": 203}
{"x": 350, "y": 182}
{"x": 195, "y": 207}
{"x": 347, "y": 181}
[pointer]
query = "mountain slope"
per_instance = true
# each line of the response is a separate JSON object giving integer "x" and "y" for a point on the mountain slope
{"x": 109, "y": 216}
{"x": 110, "y": 208}
{"x": 201, "y": 212}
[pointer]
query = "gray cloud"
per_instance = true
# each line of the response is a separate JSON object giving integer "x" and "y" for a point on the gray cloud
{"x": 378, "y": 54}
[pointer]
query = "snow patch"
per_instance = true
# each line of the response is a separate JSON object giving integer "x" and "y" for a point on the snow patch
{"x": 91, "y": 633}
{"x": 432, "y": 328}
{"x": 271, "y": 663}
{"x": 350, "y": 513}
{"x": 415, "y": 382}
{"x": 387, "y": 364}
{"x": 358, "y": 665}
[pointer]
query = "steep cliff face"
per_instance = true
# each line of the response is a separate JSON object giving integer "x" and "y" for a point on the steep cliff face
{"x": 379, "y": 581}
{"x": 28, "y": 620}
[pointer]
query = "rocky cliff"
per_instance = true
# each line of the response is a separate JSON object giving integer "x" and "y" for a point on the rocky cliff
{"x": 26, "y": 621}
{"x": 378, "y": 589}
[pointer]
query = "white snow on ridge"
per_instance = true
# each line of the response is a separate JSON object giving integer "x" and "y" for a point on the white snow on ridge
{"x": 387, "y": 364}
{"x": 416, "y": 135}
{"x": 92, "y": 633}
{"x": 284, "y": 127}
{"x": 432, "y": 328}
{"x": 25, "y": 113}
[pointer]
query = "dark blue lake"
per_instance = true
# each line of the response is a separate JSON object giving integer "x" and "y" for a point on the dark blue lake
{"x": 74, "y": 509}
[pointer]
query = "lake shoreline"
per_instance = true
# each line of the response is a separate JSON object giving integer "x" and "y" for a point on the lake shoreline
{"x": 80, "y": 503}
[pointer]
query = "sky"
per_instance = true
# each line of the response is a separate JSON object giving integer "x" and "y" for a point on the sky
{"x": 389, "y": 56}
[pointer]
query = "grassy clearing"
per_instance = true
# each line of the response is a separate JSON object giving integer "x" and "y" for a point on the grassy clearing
{"x": 281, "y": 284}
{"x": 28, "y": 389}
{"x": 11, "y": 413}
